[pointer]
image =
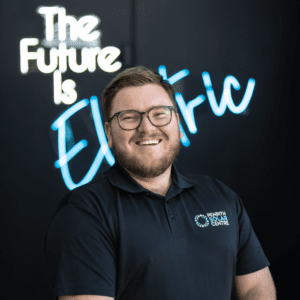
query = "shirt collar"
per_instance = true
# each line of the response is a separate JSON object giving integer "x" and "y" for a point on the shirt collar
{"x": 120, "y": 178}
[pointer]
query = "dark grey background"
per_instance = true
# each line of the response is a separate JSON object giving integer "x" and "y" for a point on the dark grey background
{"x": 250, "y": 152}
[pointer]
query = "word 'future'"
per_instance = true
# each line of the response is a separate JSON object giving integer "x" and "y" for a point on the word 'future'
{"x": 186, "y": 109}
{"x": 82, "y": 32}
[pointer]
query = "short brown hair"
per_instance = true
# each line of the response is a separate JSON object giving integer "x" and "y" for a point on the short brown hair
{"x": 136, "y": 76}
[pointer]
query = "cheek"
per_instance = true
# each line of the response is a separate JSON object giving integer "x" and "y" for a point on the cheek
{"x": 173, "y": 133}
{"x": 121, "y": 139}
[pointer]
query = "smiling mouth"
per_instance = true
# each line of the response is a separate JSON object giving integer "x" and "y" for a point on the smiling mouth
{"x": 138, "y": 143}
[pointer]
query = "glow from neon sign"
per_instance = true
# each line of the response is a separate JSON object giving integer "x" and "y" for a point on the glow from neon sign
{"x": 64, "y": 158}
{"x": 226, "y": 99}
{"x": 187, "y": 111}
{"x": 68, "y": 156}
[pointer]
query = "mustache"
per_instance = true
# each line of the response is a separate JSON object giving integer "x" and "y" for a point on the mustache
{"x": 148, "y": 138}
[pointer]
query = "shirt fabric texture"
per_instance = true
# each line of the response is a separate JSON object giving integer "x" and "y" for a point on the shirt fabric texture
{"x": 112, "y": 237}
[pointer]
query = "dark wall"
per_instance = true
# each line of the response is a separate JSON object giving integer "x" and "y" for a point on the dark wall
{"x": 249, "y": 151}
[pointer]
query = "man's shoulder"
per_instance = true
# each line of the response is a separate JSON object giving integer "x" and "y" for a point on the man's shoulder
{"x": 99, "y": 182}
{"x": 197, "y": 176}
{"x": 90, "y": 194}
{"x": 202, "y": 178}
{"x": 208, "y": 182}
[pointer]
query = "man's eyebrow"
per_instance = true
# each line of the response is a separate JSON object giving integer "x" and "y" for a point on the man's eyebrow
{"x": 149, "y": 107}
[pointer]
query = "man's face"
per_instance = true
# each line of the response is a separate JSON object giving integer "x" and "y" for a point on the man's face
{"x": 144, "y": 161}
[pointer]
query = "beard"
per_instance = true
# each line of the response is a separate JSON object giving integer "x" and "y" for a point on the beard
{"x": 138, "y": 166}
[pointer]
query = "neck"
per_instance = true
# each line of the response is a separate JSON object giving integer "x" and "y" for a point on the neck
{"x": 159, "y": 185}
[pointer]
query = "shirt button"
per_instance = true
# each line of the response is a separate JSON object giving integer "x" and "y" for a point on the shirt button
{"x": 172, "y": 216}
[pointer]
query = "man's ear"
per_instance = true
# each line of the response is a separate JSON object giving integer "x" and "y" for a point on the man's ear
{"x": 107, "y": 129}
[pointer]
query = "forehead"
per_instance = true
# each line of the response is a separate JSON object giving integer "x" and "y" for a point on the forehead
{"x": 140, "y": 98}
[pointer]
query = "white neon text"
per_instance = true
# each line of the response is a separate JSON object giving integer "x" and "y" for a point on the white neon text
{"x": 67, "y": 29}
{"x": 78, "y": 29}
{"x": 62, "y": 55}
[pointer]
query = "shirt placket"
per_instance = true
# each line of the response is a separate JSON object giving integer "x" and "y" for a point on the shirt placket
{"x": 173, "y": 219}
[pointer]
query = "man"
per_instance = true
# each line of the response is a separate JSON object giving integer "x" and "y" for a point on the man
{"x": 144, "y": 231}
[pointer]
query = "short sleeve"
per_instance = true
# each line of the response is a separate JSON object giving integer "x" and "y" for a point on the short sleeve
{"x": 251, "y": 257}
{"x": 80, "y": 253}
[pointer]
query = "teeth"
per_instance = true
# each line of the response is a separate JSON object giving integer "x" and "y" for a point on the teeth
{"x": 149, "y": 142}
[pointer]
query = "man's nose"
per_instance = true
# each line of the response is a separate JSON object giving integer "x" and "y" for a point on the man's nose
{"x": 146, "y": 124}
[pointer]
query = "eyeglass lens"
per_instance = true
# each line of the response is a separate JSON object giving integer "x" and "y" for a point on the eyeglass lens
{"x": 158, "y": 116}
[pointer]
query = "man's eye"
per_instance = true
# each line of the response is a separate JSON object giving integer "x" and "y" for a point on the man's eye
{"x": 129, "y": 118}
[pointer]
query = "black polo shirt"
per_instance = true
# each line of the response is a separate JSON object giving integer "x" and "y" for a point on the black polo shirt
{"x": 112, "y": 237}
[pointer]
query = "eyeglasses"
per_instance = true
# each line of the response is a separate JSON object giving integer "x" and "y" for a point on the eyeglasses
{"x": 131, "y": 119}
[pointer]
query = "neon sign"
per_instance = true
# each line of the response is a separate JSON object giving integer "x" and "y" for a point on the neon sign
{"x": 187, "y": 110}
{"x": 68, "y": 31}
{"x": 64, "y": 38}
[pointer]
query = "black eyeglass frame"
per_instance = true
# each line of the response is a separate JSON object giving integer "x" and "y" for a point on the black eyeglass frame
{"x": 147, "y": 114}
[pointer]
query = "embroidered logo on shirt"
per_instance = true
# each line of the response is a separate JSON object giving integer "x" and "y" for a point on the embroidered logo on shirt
{"x": 215, "y": 219}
